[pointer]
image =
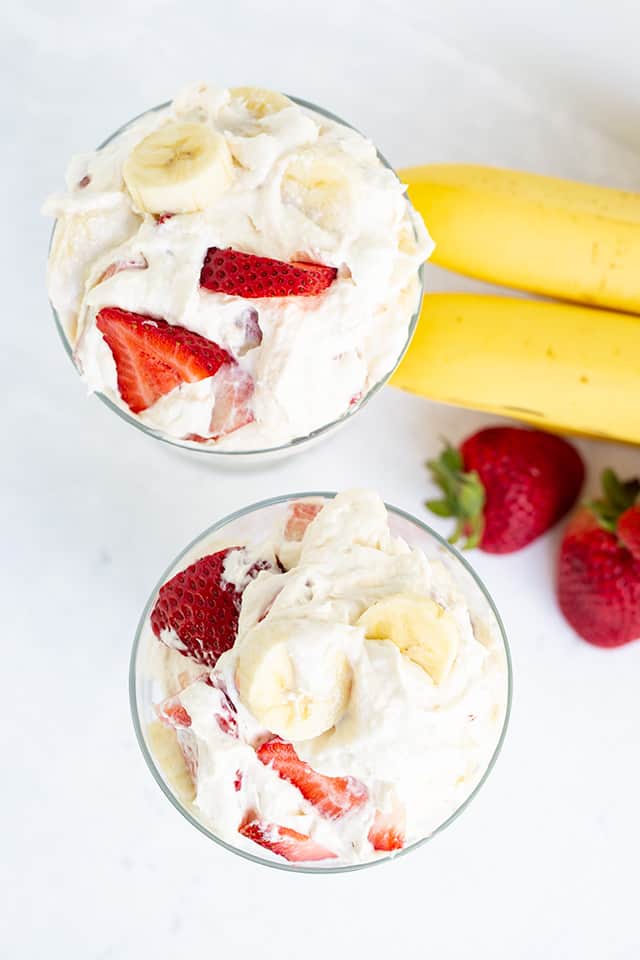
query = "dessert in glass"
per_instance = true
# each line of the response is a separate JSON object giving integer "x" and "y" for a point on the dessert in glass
{"x": 235, "y": 272}
{"x": 320, "y": 682}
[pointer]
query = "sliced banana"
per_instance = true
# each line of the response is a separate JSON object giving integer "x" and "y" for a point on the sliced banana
{"x": 295, "y": 681}
{"x": 164, "y": 746}
{"x": 318, "y": 184}
{"x": 179, "y": 168}
{"x": 260, "y": 103}
{"x": 420, "y": 628}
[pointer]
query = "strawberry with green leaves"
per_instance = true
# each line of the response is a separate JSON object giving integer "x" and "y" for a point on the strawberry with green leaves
{"x": 506, "y": 486}
{"x": 599, "y": 566}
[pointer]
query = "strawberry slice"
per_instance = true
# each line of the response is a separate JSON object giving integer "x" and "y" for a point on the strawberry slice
{"x": 173, "y": 713}
{"x": 233, "y": 391}
{"x": 293, "y": 846}
{"x": 387, "y": 830}
{"x": 153, "y": 357}
{"x": 245, "y": 275}
{"x": 201, "y": 608}
{"x": 300, "y": 516}
{"x": 132, "y": 263}
{"x": 333, "y": 797}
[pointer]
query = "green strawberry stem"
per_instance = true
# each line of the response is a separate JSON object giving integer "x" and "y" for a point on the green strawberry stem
{"x": 618, "y": 496}
{"x": 464, "y": 496}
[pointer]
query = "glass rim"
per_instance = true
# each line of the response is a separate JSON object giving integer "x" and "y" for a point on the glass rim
{"x": 295, "y": 441}
{"x": 157, "y": 773}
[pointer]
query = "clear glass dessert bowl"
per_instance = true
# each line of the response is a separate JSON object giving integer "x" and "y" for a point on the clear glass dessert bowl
{"x": 248, "y": 457}
{"x": 251, "y": 525}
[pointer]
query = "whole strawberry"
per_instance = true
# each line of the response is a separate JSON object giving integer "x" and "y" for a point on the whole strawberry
{"x": 506, "y": 485}
{"x": 599, "y": 566}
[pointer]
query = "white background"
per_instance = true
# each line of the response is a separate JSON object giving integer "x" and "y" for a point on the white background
{"x": 95, "y": 863}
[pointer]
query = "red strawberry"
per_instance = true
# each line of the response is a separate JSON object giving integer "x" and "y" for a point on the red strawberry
{"x": 293, "y": 846}
{"x": 201, "y": 608}
{"x": 245, "y": 275}
{"x": 172, "y": 712}
{"x": 387, "y": 830}
{"x": 599, "y": 568}
{"x": 152, "y": 356}
{"x": 506, "y": 486}
{"x": 628, "y": 529}
{"x": 301, "y": 513}
{"x": 333, "y": 797}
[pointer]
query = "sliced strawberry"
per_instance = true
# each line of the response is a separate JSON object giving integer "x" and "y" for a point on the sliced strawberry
{"x": 201, "y": 608}
{"x": 153, "y": 357}
{"x": 132, "y": 263}
{"x": 387, "y": 830}
{"x": 237, "y": 781}
{"x": 245, "y": 275}
{"x": 172, "y": 712}
{"x": 233, "y": 391}
{"x": 249, "y": 323}
{"x": 333, "y": 797}
{"x": 293, "y": 846}
{"x": 301, "y": 513}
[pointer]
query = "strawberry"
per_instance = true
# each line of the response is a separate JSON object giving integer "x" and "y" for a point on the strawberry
{"x": 201, "y": 608}
{"x": 245, "y": 275}
{"x": 628, "y": 529}
{"x": 506, "y": 486}
{"x": 301, "y": 513}
{"x": 232, "y": 409}
{"x": 293, "y": 846}
{"x": 598, "y": 582}
{"x": 387, "y": 830}
{"x": 132, "y": 263}
{"x": 333, "y": 797}
{"x": 172, "y": 712}
{"x": 152, "y": 356}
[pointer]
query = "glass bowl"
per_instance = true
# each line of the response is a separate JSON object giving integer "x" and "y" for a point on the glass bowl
{"x": 249, "y": 457}
{"x": 252, "y": 524}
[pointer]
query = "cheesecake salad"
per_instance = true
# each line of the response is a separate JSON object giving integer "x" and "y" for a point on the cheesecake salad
{"x": 326, "y": 694}
{"x": 234, "y": 269}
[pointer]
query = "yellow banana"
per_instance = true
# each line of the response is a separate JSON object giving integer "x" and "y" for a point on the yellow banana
{"x": 555, "y": 237}
{"x": 554, "y": 365}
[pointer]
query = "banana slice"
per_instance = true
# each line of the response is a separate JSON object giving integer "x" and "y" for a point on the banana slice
{"x": 293, "y": 678}
{"x": 180, "y": 168}
{"x": 317, "y": 183}
{"x": 260, "y": 103}
{"x": 421, "y": 629}
{"x": 163, "y": 743}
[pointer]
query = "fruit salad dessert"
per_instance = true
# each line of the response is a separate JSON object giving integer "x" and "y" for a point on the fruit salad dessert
{"x": 234, "y": 269}
{"x": 324, "y": 692}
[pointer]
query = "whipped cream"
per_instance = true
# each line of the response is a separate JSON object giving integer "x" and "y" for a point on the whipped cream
{"x": 415, "y": 746}
{"x": 318, "y": 355}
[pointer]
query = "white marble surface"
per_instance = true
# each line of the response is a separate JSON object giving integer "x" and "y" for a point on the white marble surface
{"x": 95, "y": 863}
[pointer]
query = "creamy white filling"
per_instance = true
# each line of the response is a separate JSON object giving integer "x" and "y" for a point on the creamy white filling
{"x": 406, "y": 738}
{"x": 318, "y": 353}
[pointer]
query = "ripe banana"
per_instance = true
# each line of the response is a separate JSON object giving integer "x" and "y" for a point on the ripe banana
{"x": 421, "y": 629}
{"x": 320, "y": 186}
{"x": 555, "y": 237}
{"x": 163, "y": 743}
{"x": 292, "y": 678}
{"x": 179, "y": 168}
{"x": 554, "y": 365}
{"x": 260, "y": 103}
